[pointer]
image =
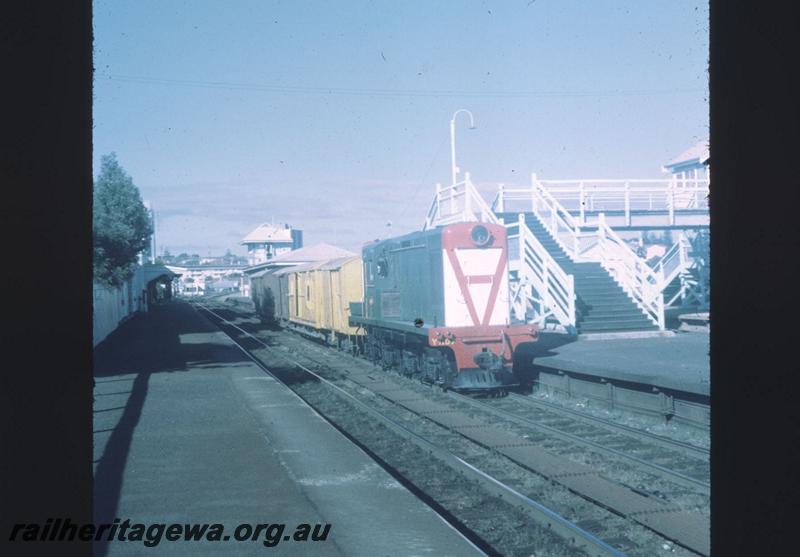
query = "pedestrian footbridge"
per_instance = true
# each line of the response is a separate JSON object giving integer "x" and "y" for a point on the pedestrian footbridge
{"x": 569, "y": 266}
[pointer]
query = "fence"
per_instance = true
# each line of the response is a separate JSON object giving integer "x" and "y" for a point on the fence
{"x": 111, "y": 306}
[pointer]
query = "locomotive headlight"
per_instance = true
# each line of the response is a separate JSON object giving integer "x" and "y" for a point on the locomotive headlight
{"x": 480, "y": 235}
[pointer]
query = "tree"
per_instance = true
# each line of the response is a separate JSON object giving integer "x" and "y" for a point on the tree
{"x": 120, "y": 223}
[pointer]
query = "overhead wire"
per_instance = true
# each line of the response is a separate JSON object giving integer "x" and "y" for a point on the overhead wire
{"x": 286, "y": 89}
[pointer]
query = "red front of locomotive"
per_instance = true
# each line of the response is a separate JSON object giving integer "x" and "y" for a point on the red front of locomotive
{"x": 477, "y": 321}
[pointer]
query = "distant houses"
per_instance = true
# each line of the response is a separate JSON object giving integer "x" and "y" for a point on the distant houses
{"x": 205, "y": 275}
{"x": 201, "y": 276}
{"x": 202, "y": 279}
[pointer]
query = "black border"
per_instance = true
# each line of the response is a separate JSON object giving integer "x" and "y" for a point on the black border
{"x": 755, "y": 202}
{"x": 46, "y": 395}
{"x": 45, "y": 398}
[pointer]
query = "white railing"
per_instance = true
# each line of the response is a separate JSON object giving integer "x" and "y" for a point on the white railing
{"x": 631, "y": 272}
{"x": 542, "y": 281}
{"x": 693, "y": 273}
{"x": 587, "y": 198}
{"x": 564, "y": 227}
{"x": 675, "y": 261}
{"x": 601, "y": 244}
{"x": 459, "y": 202}
{"x": 683, "y": 292}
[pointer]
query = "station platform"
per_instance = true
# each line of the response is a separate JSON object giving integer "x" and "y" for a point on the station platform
{"x": 679, "y": 362}
{"x": 188, "y": 430}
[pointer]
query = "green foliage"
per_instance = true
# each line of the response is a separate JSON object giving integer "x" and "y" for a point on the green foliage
{"x": 120, "y": 223}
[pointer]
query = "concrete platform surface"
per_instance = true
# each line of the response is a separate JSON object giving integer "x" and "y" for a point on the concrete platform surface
{"x": 678, "y": 362}
{"x": 188, "y": 430}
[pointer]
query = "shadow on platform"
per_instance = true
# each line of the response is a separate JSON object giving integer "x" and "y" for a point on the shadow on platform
{"x": 548, "y": 342}
{"x": 526, "y": 354}
{"x": 168, "y": 339}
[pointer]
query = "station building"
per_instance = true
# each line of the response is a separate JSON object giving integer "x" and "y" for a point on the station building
{"x": 269, "y": 240}
{"x": 692, "y": 164}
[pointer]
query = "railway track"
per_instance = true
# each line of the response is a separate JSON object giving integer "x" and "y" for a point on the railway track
{"x": 688, "y": 529}
{"x": 690, "y": 410}
{"x": 538, "y": 405}
{"x": 687, "y": 464}
{"x": 648, "y": 437}
{"x": 551, "y": 522}
{"x": 641, "y": 504}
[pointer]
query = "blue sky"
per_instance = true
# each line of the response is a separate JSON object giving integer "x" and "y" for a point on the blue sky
{"x": 334, "y": 116}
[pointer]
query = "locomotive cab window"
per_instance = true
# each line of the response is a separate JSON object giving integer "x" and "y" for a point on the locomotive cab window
{"x": 383, "y": 267}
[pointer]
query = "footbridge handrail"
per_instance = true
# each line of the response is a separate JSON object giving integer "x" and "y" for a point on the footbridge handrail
{"x": 562, "y": 225}
{"x": 631, "y": 272}
{"x": 539, "y": 272}
{"x": 602, "y": 244}
{"x": 582, "y": 196}
{"x": 674, "y": 261}
{"x": 537, "y": 268}
{"x": 458, "y": 202}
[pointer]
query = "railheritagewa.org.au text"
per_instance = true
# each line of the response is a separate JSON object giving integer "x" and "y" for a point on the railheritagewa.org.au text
{"x": 153, "y": 534}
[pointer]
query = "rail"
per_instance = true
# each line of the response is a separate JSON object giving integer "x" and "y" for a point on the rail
{"x": 562, "y": 527}
{"x": 458, "y": 202}
{"x": 561, "y": 431}
{"x": 537, "y": 270}
{"x": 670, "y": 443}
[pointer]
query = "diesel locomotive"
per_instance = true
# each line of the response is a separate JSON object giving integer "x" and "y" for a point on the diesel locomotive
{"x": 436, "y": 306}
{"x": 432, "y": 304}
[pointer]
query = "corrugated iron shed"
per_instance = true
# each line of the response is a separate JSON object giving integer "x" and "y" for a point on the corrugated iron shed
{"x": 337, "y": 263}
{"x": 317, "y": 252}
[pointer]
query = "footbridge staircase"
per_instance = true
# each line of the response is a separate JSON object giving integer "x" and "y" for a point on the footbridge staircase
{"x": 571, "y": 270}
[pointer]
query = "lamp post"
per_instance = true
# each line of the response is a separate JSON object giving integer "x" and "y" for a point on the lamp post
{"x": 453, "y": 167}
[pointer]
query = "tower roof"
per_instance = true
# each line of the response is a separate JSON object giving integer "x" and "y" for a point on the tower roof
{"x": 697, "y": 154}
{"x": 269, "y": 233}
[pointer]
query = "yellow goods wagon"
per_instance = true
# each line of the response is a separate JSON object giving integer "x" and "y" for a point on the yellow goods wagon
{"x": 304, "y": 304}
{"x": 319, "y": 296}
{"x": 279, "y": 282}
